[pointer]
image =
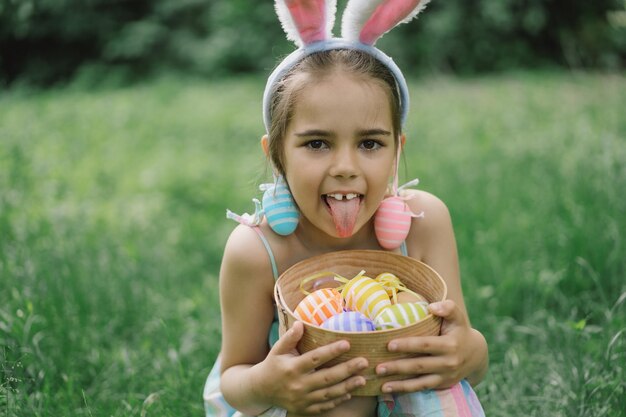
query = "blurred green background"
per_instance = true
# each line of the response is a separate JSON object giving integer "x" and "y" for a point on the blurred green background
{"x": 50, "y": 41}
{"x": 128, "y": 127}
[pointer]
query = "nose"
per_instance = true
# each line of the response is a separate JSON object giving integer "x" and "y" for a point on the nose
{"x": 344, "y": 163}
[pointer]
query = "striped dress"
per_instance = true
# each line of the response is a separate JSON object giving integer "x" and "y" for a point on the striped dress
{"x": 457, "y": 401}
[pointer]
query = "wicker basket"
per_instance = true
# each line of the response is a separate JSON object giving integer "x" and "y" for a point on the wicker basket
{"x": 416, "y": 275}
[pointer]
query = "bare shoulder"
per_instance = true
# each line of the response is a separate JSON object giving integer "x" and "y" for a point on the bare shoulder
{"x": 432, "y": 231}
{"x": 244, "y": 256}
{"x": 434, "y": 209}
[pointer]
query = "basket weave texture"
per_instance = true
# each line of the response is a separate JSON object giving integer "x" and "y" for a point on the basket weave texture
{"x": 416, "y": 275}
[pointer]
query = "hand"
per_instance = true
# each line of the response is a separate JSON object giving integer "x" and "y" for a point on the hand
{"x": 444, "y": 360}
{"x": 292, "y": 381}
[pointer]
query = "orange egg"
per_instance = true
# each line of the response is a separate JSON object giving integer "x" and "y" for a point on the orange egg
{"x": 319, "y": 306}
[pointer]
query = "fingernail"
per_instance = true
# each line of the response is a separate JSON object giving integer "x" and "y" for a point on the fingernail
{"x": 381, "y": 371}
{"x": 393, "y": 347}
{"x": 435, "y": 306}
{"x": 360, "y": 382}
{"x": 344, "y": 345}
{"x": 387, "y": 389}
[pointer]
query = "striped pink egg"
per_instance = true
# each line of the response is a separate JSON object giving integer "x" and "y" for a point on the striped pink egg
{"x": 392, "y": 222}
{"x": 319, "y": 306}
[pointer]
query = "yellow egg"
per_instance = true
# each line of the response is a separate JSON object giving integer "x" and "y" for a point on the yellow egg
{"x": 365, "y": 295}
{"x": 399, "y": 315}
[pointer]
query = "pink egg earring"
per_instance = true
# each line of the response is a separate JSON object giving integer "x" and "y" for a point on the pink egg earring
{"x": 392, "y": 220}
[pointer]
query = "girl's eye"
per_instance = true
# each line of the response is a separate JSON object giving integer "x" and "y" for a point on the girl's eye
{"x": 316, "y": 144}
{"x": 370, "y": 144}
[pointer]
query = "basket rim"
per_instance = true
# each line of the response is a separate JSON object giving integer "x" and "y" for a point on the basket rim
{"x": 281, "y": 304}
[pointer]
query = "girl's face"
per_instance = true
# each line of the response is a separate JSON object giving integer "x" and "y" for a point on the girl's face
{"x": 340, "y": 152}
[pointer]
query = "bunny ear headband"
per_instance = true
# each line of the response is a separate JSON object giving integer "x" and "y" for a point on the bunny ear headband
{"x": 309, "y": 23}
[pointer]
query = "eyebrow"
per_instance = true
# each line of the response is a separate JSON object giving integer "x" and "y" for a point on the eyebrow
{"x": 313, "y": 132}
{"x": 374, "y": 132}
{"x": 323, "y": 133}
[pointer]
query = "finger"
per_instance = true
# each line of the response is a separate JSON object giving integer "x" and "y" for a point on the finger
{"x": 337, "y": 391}
{"x": 338, "y": 374}
{"x": 449, "y": 310}
{"x": 315, "y": 358}
{"x": 412, "y": 366}
{"x": 321, "y": 407}
{"x": 288, "y": 341}
{"x": 425, "y": 345}
{"x": 431, "y": 381}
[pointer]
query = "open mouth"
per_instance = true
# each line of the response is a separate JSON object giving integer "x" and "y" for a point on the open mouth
{"x": 341, "y": 197}
{"x": 344, "y": 209}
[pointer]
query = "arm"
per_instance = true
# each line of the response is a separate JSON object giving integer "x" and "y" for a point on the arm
{"x": 255, "y": 378}
{"x": 460, "y": 351}
{"x": 246, "y": 310}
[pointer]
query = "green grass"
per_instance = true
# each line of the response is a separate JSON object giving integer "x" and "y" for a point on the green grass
{"x": 112, "y": 225}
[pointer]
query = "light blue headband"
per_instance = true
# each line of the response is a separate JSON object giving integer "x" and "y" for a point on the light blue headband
{"x": 327, "y": 45}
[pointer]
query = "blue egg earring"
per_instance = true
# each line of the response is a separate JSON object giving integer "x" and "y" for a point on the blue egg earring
{"x": 280, "y": 209}
{"x": 278, "y": 206}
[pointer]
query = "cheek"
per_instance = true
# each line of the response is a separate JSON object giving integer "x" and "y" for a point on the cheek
{"x": 302, "y": 185}
{"x": 386, "y": 170}
{"x": 382, "y": 177}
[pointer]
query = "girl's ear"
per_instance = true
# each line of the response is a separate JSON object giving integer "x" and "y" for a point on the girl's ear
{"x": 265, "y": 144}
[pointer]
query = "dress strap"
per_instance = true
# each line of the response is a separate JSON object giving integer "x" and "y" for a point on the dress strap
{"x": 268, "y": 248}
{"x": 403, "y": 248}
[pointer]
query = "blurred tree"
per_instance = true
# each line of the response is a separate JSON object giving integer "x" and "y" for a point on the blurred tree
{"x": 47, "y": 41}
{"x": 488, "y": 35}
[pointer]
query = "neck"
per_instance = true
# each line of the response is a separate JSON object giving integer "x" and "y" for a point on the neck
{"x": 317, "y": 242}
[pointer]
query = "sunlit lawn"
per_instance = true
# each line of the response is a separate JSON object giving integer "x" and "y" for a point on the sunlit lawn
{"x": 112, "y": 225}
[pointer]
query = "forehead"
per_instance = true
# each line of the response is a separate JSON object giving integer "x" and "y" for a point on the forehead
{"x": 342, "y": 100}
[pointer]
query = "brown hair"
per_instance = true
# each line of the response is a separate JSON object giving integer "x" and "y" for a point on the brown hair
{"x": 312, "y": 68}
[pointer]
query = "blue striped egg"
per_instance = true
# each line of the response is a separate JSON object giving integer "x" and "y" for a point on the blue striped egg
{"x": 280, "y": 209}
{"x": 349, "y": 321}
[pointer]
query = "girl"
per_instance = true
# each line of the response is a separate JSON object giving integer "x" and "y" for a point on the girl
{"x": 334, "y": 113}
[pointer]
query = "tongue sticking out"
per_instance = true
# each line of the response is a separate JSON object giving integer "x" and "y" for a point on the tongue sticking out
{"x": 344, "y": 214}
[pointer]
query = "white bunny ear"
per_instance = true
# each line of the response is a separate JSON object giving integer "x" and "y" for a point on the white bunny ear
{"x": 307, "y": 21}
{"x": 367, "y": 20}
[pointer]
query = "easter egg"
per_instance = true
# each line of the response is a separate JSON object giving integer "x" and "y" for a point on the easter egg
{"x": 349, "y": 321}
{"x": 392, "y": 222}
{"x": 407, "y": 297}
{"x": 319, "y": 306}
{"x": 399, "y": 315}
{"x": 396, "y": 290}
{"x": 365, "y": 295}
{"x": 280, "y": 209}
{"x": 390, "y": 283}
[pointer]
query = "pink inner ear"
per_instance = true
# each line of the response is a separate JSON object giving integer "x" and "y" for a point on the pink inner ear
{"x": 385, "y": 17}
{"x": 310, "y": 19}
